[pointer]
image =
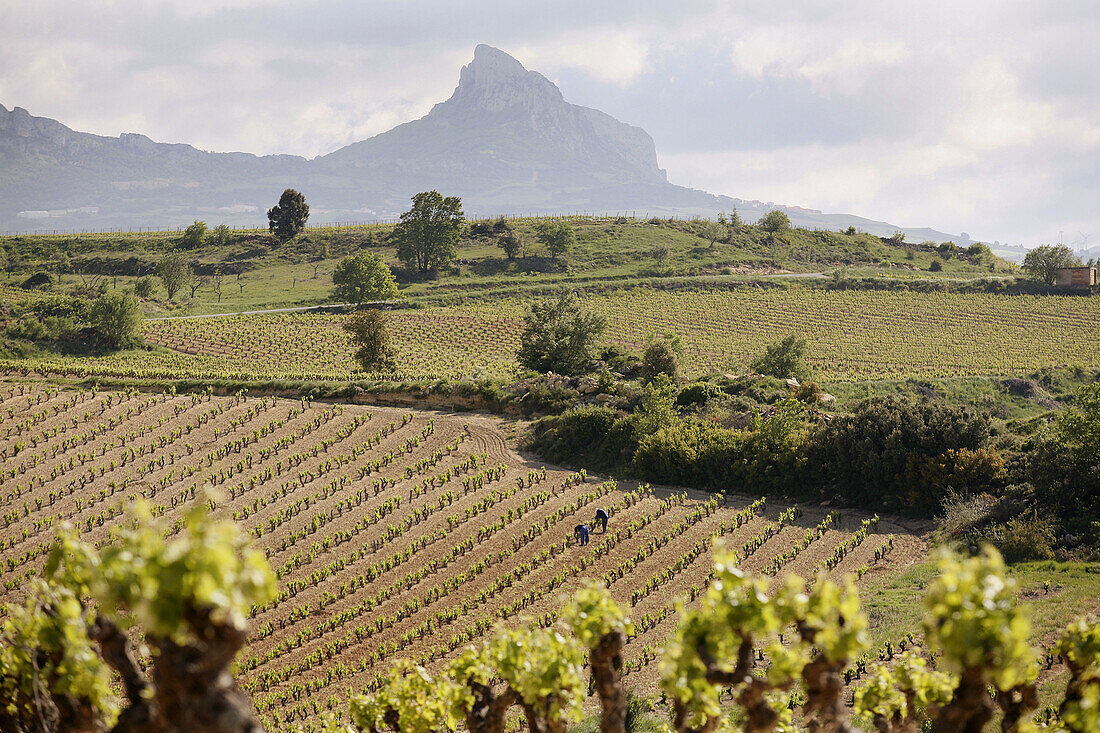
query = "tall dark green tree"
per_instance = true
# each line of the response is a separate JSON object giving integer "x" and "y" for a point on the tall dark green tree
{"x": 428, "y": 232}
{"x": 116, "y": 319}
{"x": 288, "y": 217}
{"x": 559, "y": 335}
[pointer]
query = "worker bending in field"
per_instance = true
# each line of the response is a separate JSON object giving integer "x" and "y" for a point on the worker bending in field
{"x": 601, "y": 519}
{"x": 581, "y": 533}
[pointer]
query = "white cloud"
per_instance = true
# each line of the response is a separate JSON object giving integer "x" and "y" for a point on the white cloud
{"x": 814, "y": 54}
{"x": 606, "y": 54}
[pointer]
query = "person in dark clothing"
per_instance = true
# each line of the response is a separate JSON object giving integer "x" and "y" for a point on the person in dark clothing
{"x": 601, "y": 519}
{"x": 581, "y": 533}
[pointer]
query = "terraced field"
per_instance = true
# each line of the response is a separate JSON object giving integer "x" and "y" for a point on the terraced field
{"x": 853, "y": 335}
{"x": 393, "y": 533}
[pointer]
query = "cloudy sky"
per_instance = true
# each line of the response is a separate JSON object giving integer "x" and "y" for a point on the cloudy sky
{"x": 963, "y": 115}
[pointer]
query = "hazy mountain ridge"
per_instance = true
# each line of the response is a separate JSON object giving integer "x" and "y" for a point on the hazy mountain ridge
{"x": 506, "y": 141}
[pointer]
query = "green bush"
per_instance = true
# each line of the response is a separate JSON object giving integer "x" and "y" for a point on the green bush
{"x": 690, "y": 453}
{"x": 594, "y": 435}
{"x": 1026, "y": 537}
{"x": 877, "y": 455}
{"x": 698, "y": 393}
{"x": 784, "y": 359}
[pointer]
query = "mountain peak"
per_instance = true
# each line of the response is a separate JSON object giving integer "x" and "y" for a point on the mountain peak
{"x": 495, "y": 80}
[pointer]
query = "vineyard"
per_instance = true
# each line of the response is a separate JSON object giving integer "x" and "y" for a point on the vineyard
{"x": 393, "y": 533}
{"x": 853, "y": 335}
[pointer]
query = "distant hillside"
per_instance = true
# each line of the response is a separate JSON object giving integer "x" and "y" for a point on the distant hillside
{"x": 506, "y": 142}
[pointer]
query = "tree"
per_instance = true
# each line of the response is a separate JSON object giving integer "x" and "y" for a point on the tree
{"x": 221, "y": 234}
{"x": 428, "y": 232}
{"x": 980, "y": 253}
{"x": 143, "y": 288}
{"x": 174, "y": 272}
{"x": 785, "y": 358}
{"x": 287, "y": 218}
{"x": 712, "y": 232}
{"x": 369, "y": 333}
{"x": 194, "y": 235}
{"x": 556, "y": 237}
{"x": 1043, "y": 263}
{"x": 559, "y": 336}
{"x": 661, "y": 358}
{"x": 511, "y": 244}
{"x": 116, "y": 319}
{"x": 775, "y": 221}
{"x": 362, "y": 277}
{"x": 187, "y": 598}
{"x": 661, "y": 253}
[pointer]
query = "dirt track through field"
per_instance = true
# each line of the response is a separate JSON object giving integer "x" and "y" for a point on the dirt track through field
{"x": 395, "y": 533}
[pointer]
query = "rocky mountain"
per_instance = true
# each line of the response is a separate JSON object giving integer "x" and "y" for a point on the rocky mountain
{"x": 506, "y": 142}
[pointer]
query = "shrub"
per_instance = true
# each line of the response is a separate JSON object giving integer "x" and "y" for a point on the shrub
{"x": 143, "y": 287}
{"x": 37, "y": 281}
{"x": 595, "y": 434}
{"x": 1023, "y": 538}
{"x": 689, "y": 453}
{"x": 660, "y": 358}
{"x": 116, "y": 319}
{"x": 876, "y": 455}
{"x": 698, "y": 393}
{"x": 936, "y": 266}
{"x": 784, "y": 359}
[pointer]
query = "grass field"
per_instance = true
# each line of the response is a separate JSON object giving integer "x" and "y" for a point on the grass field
{"x": 608, "y": 250}
{"x": 394, "y": 533}
{"x": 852, "y": 335}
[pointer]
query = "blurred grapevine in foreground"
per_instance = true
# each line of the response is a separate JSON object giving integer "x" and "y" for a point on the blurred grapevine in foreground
{"x": 758, "y": 638}
{"x": 755, "y": 637}
{"x": 189, "y": 596}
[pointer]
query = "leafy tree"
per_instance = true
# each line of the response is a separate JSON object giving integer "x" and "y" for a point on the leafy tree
{"x": 428, "y": 232}
{"x": 511, "y": 244}
{"x": 174, "y": 272}
{"x": 143, "y": 288}
{"x": 936, "y": 266}
{"x": 661, "y": 357}
{"x": 785, "y": 358}
{"x": 116, "y": 318}
{"x": 1043, "y": 263}
{"x": 188, "y": 597}
{"x": 775, "y": 221}
{"x": 980, "y": 253}
{"x": 194, "y": 235}
{"x": 897, "y": 238}
{"x": 287, "y": 218}
{"x": 369, "y": 333}
{"x": 221, "y": 234}
{"x": 712, "y": 232}
{"x": 557, "y": 237}
{"x": 559, "y": 336}
{"x": 362, "y": 277}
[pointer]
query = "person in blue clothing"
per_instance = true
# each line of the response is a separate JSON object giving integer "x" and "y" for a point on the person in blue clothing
{"x": 581, "y": 533}
{"x": 601, "y": 519}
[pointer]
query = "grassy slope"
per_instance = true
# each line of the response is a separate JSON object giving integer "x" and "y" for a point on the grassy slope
{"x": 606, "y": 252}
